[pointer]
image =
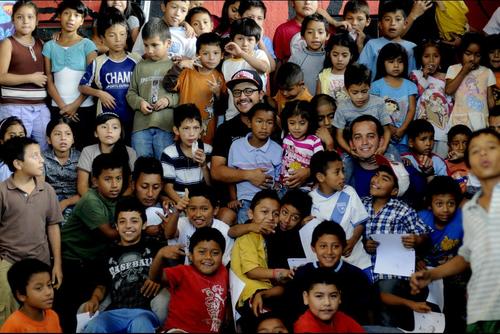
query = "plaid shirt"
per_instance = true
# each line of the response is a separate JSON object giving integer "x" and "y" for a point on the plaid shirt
{"x": 396, "y": 217}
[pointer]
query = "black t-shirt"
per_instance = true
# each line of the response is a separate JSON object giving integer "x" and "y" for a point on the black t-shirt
{"x": 226, "y": 134}
{"x": 124, "y": 270}
{"x": 359, "y": 296}
{"x": 283, "y": 245}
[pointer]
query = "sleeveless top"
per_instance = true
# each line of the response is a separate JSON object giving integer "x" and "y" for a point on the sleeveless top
{"x": 24, "y": 61}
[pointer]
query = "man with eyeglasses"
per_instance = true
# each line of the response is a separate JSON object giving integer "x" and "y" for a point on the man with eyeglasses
{"x": 246, "y": 86}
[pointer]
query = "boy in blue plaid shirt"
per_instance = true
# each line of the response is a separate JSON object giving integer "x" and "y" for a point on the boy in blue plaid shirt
{"x": 389, "y": 215}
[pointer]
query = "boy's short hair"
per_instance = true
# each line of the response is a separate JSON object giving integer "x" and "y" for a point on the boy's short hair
{"x": 441, "y": 185}
{"x": 167, "y": 1}
{"x": 458, "y": 129}
{"x": 417, "y": 127}
{"x": 186, "y": 111}
{"x": 288, "y": 75}
{"x": 197, "y": 10}
{"x": 328, "y": 227}
{"x": 202, "y": 190}
{"x": 320, "y": 160}
{"x": 156, "y": 27}
{"x": 390, "y": 7}
{"x": 313, "y": 17}
{"x": 367, "y": 118}
{"x": 271, "y": 315}
{"x": 491, "y": 43}
{"x": 146, "y": 165}
{"x": 300, "y": 200}
{"x": 245, "y": 27}
{"x": 106, "y": 161}
{"x": 21, "y": 272}
{"x": 207, "y": 233}
{"x": 249, "y": 4}
{"x": 14, "y": 149}
{"x": 128, "y": 204}
{"x": 355, "y": 6}
{"x": 109, "y": 18}
{"x": 77, "y": 5}
{"x": 485, "y": 131}
{"x": 321, "y": 276}
{"x": 262, "y": 195}
{"x": 322, "y": 99}
{"x": 357, "y": 74}
{"x": 261, "y": 106}
{"x": 208, "y": 38}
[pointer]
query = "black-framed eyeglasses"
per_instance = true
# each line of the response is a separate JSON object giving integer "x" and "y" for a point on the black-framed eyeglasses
{"x": 246, "y": 91}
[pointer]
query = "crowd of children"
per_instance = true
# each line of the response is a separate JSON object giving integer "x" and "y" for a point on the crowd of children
{"x": 147, "y": 171}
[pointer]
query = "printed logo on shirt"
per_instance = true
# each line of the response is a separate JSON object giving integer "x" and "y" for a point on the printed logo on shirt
{"x": 214, "y": 302}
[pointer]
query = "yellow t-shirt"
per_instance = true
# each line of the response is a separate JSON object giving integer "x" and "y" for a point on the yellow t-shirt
{"x": 249, "y": 252}
{"x": 451, "y": 18}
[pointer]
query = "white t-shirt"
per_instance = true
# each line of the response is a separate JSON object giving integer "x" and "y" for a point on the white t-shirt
{"x": 181, "y": 45}
{"x": 493, "y": 25}
{"x": 345, "y": 208}
{"x": 230, "y": 67}
{"x": 186, "y": 230}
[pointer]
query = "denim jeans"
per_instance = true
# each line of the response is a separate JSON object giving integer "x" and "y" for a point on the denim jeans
{"x": 151, "y": 142}
{"x": 35, "y": 118}
{"x": 123, "y": 320}
{"x": 243, "y": 211}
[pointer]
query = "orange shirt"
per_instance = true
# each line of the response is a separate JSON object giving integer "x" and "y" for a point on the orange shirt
{"x": 193, "y": 88}
{"x": 18, "y": 322}
{"x": 281, "y": 100}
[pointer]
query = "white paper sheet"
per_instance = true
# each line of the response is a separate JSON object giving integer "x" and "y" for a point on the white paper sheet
{"x": 152, "y": 216}
{"x": 392, "y": 257}
{"x": 431, "y": 322}
{"x": 82, "y": 319}
{"x": 295, "y": 262}
{"x": 436, "y": 293}
{"x": 306, "y": 237}
{"x": 236, "y": 286}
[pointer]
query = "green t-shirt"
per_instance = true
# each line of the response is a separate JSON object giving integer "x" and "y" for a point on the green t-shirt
{"x": 81, "y": 238}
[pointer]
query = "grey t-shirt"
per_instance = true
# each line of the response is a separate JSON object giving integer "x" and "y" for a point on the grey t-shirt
{"x": 90, "y": 152}
{"x": 348, "y": 112}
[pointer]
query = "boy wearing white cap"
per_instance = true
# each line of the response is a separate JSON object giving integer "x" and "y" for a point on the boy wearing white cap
{"x": 389, "y": 215}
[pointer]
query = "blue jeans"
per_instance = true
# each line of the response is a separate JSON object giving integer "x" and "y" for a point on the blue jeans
{"x": 151, "y": 142}
{"x": 243, "y": 211}
{"x": 123, "y": 320}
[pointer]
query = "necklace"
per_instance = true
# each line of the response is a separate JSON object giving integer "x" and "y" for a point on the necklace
{"x": 29, "y": 46}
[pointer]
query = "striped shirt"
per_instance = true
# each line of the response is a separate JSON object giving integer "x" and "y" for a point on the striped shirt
{"x": 182, "y": 170}
{"x": 297, "y": 153}
{"x": 481, "y": 248}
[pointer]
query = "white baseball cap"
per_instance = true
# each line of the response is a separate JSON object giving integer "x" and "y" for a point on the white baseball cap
{"x": 399, "y": 171}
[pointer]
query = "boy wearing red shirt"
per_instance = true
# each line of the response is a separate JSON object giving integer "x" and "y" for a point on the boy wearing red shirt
{"x": 323, "y": 299}
{"x": 198, "y": 291}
